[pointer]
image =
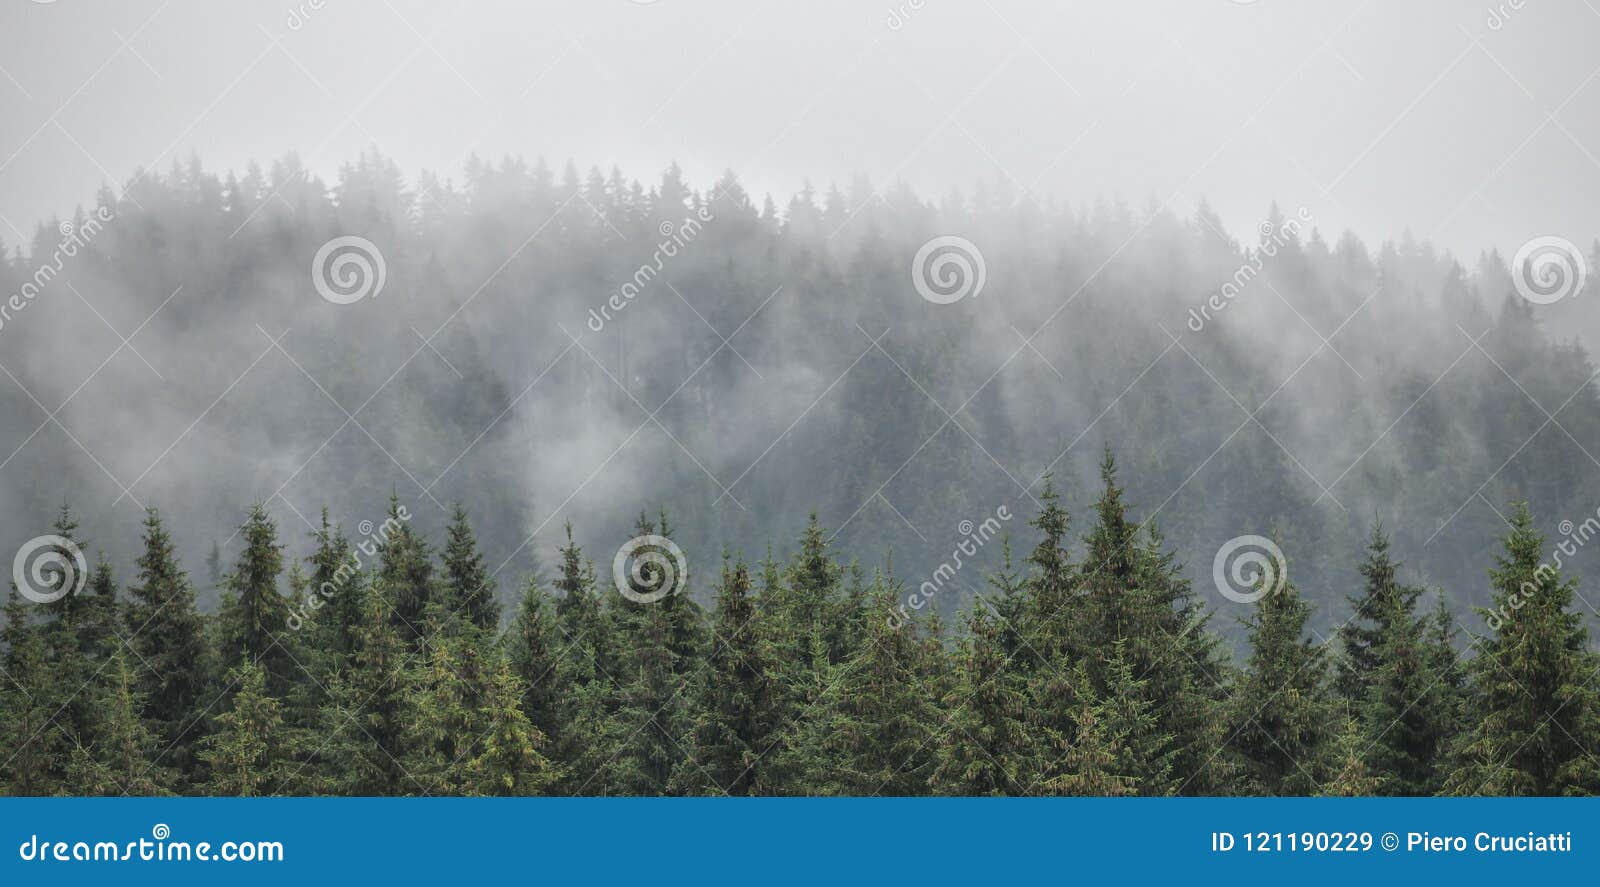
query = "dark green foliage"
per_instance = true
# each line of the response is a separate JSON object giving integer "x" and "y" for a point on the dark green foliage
{"x": 1096, "y": 675}
{"x": 1380, "y": 601}
{"x": 1282, "y": 714}
{"x": 1408, "y": 705}
{"x": 735, "y": 702}
{"x": 255, "y": 614}
{"x": 1532, "y": 708}
{"x": 247, "y": 751}
{"x": 533, "y": 650}
{"x": 468, "y": 589}
{"x": 405, "y": 577}
{"x": 167, "y": 635}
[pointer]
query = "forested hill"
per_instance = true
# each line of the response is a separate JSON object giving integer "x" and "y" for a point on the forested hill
{"x": 781, "y": 361}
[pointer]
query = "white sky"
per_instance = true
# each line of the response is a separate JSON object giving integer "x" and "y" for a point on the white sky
{"x": 1472, "y": 125}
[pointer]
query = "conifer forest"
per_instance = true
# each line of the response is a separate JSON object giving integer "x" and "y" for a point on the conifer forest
{"x": 622, "y": 476}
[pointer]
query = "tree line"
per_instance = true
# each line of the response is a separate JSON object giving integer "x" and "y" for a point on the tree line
{"x": 514, "y": 254}
{"x": 1088, "y": 668}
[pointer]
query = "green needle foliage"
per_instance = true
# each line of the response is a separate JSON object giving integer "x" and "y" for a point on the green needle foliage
{"x": 1087, "y": 668}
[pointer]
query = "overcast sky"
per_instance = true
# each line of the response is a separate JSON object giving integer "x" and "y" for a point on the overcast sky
{"x": 1470, "y": 124}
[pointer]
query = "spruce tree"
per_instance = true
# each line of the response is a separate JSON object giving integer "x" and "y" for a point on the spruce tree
{"x": 735, "y": 699}
{"x": 592, "y": 736}
{"x": 121, "y": 757}
{"x": 168, "y": 638}
{"x": 364, "y": 717}
{"x": 30, "y": 700}
{"x": 405, "y": 577}
{"x": 1373, "y": 609}
{"x": 1406, "y": 708}
{"x": 255, "y": 615}
{"x": 336, "y": 582}
{"x": 533, "y": 650}
{"x": 1282, "y": 713}
{"x": 872, "y": 731}
{"x": 246, "y": 752}
{"x": 467, "y": 589}
{"x": 985, "y": 746}
{"x": 1534, "y": 712}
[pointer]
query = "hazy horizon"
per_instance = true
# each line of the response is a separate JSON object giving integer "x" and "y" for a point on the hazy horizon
{"x": 1459, "y": 125}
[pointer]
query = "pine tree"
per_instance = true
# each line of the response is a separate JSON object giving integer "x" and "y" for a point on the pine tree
{"x": 1133, "y": 595}
{"x": 246, "y": 751}
{"x": 508, "y": 759}
{"x": 465, "y": 730}
{"x": 405, "y": 574}
{"x": 167, "y": 636}
{"x": 735, "y": 701}
{"x": 1282, "y": 713}
{"x": 333, "y": 603}
{"x": 364, "y": 717}
{"x": 100, "y": 618}
{"x": 872, "y": 730}
{"x": 35, "y": 744}
{"x": 1101, "y": 757}
{"x": 1533, "y": 707}
{"x": 1352, "y": 778}
{"x": 1051, "y": 586}
{"x": 985, "y": 747}
{"x": 121, "y": 756}
{"x": 662, "y": 637}
{"x": 592, "y": 737}
{"x": 533, "y": 649}
{"x": 1406, "y": 710}
{"x": 1373, "y": 609}
{"x": 72, "y": 661}
{"x": 468, "y": 589}
{"x": 255, "y": 616}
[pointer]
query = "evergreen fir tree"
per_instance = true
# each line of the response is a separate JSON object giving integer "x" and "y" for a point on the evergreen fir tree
{"x": 872, "y": 731}
{"x": 735, "y": 701}
{"x": 168, "y": 638}
{"x": 246, "y": 751}
{"x": 533, "y": 649}
{"x": 1373, "y": 609}
{"x": 1282, "y": 713}
{"x": 121, "y": 757}
{"x": 468, "y": 588}
{"x": 255, "y": 616}
{"x": 36, "y": 745}
{"x": 986, "y": 745}
{"x": 365, "y": 714}
{"x": 1406, "y": 709}
{"x": 1534, "y": 710}
{"x": 405, "y": 573}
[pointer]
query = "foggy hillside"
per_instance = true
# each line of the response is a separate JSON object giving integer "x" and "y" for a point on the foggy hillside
{"x": 781, "y": 361}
